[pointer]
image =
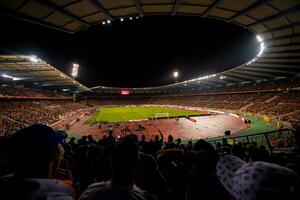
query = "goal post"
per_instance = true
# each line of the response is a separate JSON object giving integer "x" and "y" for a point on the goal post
{"x": 161, "y": 115}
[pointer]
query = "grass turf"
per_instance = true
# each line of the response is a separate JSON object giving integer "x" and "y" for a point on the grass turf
{"x": 122, "y": 114}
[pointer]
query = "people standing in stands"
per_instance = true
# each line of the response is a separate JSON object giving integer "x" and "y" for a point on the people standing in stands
{"x": 121, "y": 185}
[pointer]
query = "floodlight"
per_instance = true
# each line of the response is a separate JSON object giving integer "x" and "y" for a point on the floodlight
{"x": 259, "y": 38}
{"x": 7, "y": 76}
{"x": 108, "y": 21}
{"x": 75, "y": 70}
{"x": 175, "y": 74}
{"x": 33, "y": 59}
{"x": 222, "y": 77}
{"x": 11, "y": 77}
{"x": 130, "y": 18}
{"x": 122, "y": 19}
{"x": 137, "y": 17}
{"x": 103, "y": 23}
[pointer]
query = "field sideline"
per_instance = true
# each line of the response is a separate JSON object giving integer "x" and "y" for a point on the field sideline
{"x": 122, "y": 114}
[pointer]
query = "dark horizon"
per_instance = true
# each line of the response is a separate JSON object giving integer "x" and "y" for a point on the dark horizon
{"x": 135, "y": 53}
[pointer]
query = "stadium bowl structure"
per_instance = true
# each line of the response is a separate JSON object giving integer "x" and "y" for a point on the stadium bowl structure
{"x": 276, "y": 22}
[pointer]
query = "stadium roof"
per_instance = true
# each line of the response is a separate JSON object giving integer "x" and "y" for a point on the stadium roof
{"x": 32, "y": 72}
{"x": 276, "y": 22}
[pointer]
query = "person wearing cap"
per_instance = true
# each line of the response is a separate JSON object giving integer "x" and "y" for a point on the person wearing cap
{"x": 257, "y": 180}
{"x": 35, "y": 154}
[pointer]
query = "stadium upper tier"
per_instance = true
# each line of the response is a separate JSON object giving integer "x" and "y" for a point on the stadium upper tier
{"x": 32, "y": 72}
{"x": 275, "y": 22}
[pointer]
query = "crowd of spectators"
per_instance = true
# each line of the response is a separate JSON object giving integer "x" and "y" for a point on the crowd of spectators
{"x": 27, "y": 92}
{"x": 18, "y": 114}
{"x": 39, "y": 163}
{"x": 282, "y": 105}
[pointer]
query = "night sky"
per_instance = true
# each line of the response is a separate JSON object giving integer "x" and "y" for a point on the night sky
{"x": 137, "y": 53}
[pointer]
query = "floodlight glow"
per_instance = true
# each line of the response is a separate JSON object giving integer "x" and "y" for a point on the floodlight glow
{"x": 222, "y": 77}
{"x": 108, "y": 21}
{"x": 7, "y": 76}
{"x": 122, "y": 19}
{"x": 137, "y": 17}
{"x": 62, "y": 75}
{"x": 259, "y": 38}
{"x": 33, "y": 59}
{"x": 11, "y": 77}
{"x": 75, "y": 70}
{"x": 103, "y": 23}
{"x": 130, "y": 18}
{"x": 175, "y": 74}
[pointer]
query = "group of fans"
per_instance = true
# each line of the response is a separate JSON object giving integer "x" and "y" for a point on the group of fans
{"x": 40, "y": 163}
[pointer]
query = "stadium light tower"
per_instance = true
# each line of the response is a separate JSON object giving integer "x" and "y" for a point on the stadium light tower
{"x": 175, "y": 76}
{"x": 75, "y": 70}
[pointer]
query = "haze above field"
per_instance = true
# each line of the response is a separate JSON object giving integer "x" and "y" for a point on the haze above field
{"x": 135, "y": 53}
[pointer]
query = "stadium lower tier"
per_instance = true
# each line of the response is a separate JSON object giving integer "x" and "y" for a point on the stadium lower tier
{"x": 281, "y": 108}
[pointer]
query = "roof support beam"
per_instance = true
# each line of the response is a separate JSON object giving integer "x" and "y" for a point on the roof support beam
{"x": 284, "y": 37}
{"x": 23, "y": 4}
{"x": 238, "y": 76}
{"x": 255, "y": 73}
{"x": 139, "y": 7}
{"x": 282, "y": 72}
{"x": 101, "y": 9}
{"x": 245, "y": 10}
{"x": 175, "y": 7}
{"x": 62, "y": 11}
{"x": 291, "y": 25}
{"x": 280, "y": 14}
{"x": 26, "y": 18}
{"x": 212, "y": 6}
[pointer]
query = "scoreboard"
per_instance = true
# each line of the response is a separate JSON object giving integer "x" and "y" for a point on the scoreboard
{"x": 125, "y": 92}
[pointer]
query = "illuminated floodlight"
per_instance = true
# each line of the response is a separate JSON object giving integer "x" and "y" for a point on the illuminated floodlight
{"x": 130, "y": 18}
{"x": 103, "y": 23}
{"x": 108, "y": 21}
{"x": 137, "y": 17}
{"x": 175, "y": 74}
{"x": 259, "y": 38}
{"x": 11, "y": 77}
{"x": 33, "y": 59}
{"x": 122, "y": 19}
{"x": 222, "y": 77}
{"x": 62, "y": 75}
{"x": 7, "y": 76}
{"x": 75, "y": 70}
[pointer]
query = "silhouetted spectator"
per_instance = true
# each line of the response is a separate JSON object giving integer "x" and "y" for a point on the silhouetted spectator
{"x": 121, "y": 186}
{"x": 36, "y": 154}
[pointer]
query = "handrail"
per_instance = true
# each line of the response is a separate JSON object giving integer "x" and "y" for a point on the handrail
{"x": 265, "y": 134}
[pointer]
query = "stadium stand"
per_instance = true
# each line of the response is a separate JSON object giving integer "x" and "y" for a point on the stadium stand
{"x": 39, "y": 163}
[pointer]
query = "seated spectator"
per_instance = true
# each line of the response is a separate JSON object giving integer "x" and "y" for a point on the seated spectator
{"x": 121, "y": 186}
{"x": 257, "y": 180}
{"x": 35, "y": 153}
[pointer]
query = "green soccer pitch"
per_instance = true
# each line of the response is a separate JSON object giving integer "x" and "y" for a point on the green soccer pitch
{"x": 122, "y": 114}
